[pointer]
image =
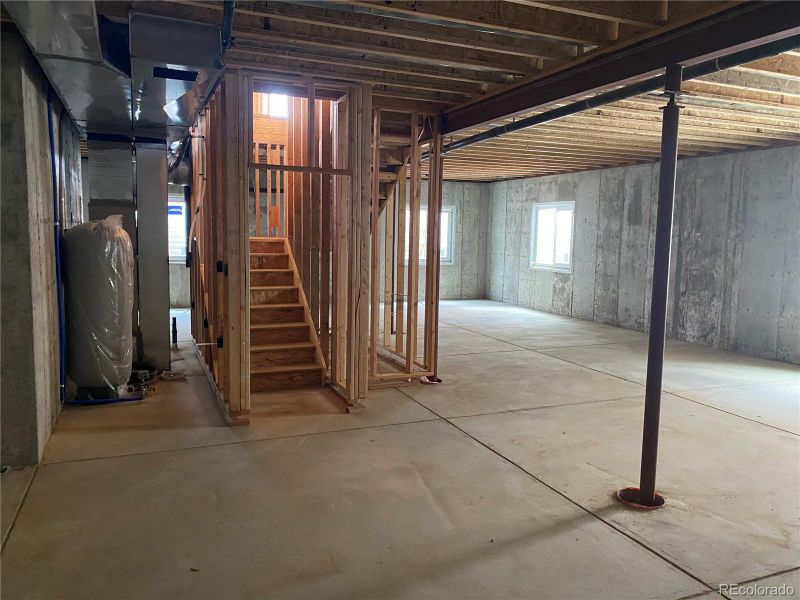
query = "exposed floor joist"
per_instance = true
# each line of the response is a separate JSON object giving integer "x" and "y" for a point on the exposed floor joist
{"x": 626, "y": 132}
{"x": 432, "y": 56}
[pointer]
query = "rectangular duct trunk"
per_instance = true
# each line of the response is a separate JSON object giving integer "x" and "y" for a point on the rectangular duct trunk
{"x": 151, "y": 203}
{"x": 137, "y": 190}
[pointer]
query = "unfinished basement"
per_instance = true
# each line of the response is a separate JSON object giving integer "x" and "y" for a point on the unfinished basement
{"x": 400, "y": 299}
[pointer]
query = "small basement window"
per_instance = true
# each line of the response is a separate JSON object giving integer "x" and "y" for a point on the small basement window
{"x": 176, "y": 228}
{"x": 272, "y": 105}
{"x": 447, "y": 223}
{"x": 551, "y": 236}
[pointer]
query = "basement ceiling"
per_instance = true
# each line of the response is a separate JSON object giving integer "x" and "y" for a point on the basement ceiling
{"x": 429, "y": 56}
{"x": 753, "y": 106}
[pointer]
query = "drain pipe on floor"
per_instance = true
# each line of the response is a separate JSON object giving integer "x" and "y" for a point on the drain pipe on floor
{"x": 57, "y": 243}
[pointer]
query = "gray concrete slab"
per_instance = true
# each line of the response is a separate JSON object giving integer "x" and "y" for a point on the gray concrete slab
{"x": 410, "y": 511}
{"x": 13, "y": 485}
{"x": 686, "y": 366}
{"x": 556, "y": 334}
{"x": 775, "y": 403}
{"x": 185, "y": 414}
{"x": 494, "y": 382}
{"x": 732, "y": 485}
{"x": 309, "y": 501}
{"x": 456, "y": 340}
{"x": 488, "y": 312}
{"x": 785, "y": 585}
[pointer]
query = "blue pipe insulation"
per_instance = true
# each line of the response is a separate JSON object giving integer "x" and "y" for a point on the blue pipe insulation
{"x": 57, "y": 242}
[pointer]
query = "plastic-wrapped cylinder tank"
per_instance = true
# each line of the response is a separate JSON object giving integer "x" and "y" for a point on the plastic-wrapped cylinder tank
{"x": 98, "y": 280}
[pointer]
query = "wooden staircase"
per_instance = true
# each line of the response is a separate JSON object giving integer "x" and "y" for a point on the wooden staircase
{"x": 284, "y": 347}
{"x": 393, "y": 154}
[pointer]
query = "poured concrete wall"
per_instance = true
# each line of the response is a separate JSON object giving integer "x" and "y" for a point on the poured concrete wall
{"x": 179, "y": 290}
{"x": 736, "y": 248}
{"x": 465, "y": 277}
{"x": 29, "y": 361}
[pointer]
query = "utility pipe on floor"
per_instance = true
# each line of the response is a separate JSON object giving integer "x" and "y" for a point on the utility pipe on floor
{"x": 645, "y": 495}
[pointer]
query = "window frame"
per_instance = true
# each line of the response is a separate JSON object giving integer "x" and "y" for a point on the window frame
{"x": 556, "y": 267}
{"x": 265, "y": 105}
{"x": 173, "y": 199}
{"x": 449, "y": 257}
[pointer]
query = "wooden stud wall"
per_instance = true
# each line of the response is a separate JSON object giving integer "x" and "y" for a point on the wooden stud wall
{"x": 396, "y": 264}
{"x": 341, "y": 233}
{"x": 359, "y": 99}
{"x": 415, "y": 169}
{"x": 327, "y": 206}
{"x": 339, "y": 249}
{"x": 221, "y": 150}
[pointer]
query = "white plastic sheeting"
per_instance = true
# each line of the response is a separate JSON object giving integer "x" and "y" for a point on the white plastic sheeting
{"x": 98, "y": 281}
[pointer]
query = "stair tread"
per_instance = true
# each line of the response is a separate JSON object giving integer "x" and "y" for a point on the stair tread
{"x": 278, "y": 325}
{"x": 284, "y": 346}
{"x": 292, "y": 305}
{"x": 291, "y": 341}
{"x": 285, "y": 368}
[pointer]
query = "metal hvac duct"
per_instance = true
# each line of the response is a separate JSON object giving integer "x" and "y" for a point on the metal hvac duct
{"x": 65, "y": 37}
{"x": 146, "y": 76}
{"x": 173, "y": 65}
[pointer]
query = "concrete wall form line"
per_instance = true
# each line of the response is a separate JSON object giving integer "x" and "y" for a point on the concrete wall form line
{"x": 734, "y": 280}
{"x": 29, "y": 363}
{"x": 465, "y": 277}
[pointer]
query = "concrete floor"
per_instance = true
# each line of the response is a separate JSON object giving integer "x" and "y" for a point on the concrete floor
{"x": 496, "y": 484}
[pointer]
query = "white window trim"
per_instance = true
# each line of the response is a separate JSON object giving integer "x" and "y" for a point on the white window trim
{"x": 178, "y": 199}
{"x": 558, "y": 267}
{"x": 449, "y": 258}
{"x": 266, "y": 105}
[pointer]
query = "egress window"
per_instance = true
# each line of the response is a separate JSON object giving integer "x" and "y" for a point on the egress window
{"x": 176, "y": 228}
{"x": 446, "y": 234}
{"x": 551, "y": 236}
{"x": 272, "y": 105}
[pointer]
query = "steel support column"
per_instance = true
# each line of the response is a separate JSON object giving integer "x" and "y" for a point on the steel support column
{"x": 645, "y": 495}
